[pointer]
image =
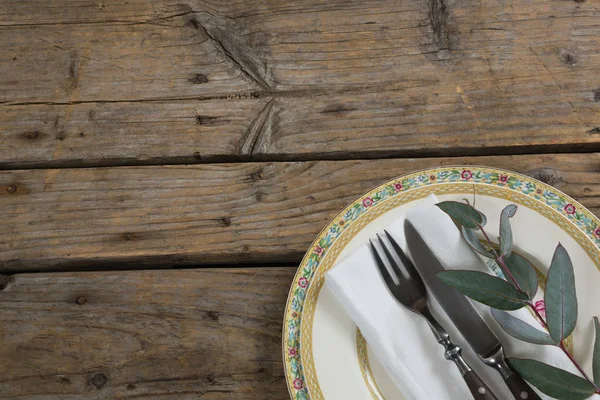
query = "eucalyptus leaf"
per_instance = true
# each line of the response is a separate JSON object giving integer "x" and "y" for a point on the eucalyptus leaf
{"x": 506, "y": 237}
{"x": 483, "y": 218}
{"x": 520, "y": 329}
{"x": 596, "y": 358}
{"x": 523, "y": 272}
{"x": 553, "y": 381}
{"x": 489, "y": 290}
{"x": 560, "y": 296}
{"x": 462, "y": 213}
{"x": 471, "y": 238}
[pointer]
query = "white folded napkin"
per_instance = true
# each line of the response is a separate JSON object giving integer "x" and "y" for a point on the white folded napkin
{"x": 402, "y": 340}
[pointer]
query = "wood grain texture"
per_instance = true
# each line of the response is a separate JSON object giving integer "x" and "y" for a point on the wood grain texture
{"x": 187, "y": 334}
{"x": 343, "y": 79}
{"x": 105, "y": 133}
{"x": 213, "y": 213}
{"x": 163, "y": 55}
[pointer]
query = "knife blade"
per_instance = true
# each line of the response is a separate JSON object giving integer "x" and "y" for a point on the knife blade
{"x": 464, "y": 315}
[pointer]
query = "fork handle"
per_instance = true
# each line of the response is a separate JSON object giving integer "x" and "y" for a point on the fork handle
{"x": 478, "y": 388}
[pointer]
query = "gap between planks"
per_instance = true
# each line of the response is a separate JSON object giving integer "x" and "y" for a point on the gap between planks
{"x": 577, "y": 148}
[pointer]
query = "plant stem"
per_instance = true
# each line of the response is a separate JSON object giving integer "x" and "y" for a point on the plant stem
{"x": 564, "y": 349}
{"x": 561, "y": 345}
{"x": 505, "y": 269}
{"x": 500, "y": 260}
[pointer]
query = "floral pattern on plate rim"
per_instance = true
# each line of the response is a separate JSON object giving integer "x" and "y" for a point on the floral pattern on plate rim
{"x": 480, "y": 175}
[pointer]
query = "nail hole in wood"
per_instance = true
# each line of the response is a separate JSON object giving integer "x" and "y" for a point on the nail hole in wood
{"x": 225, "y": 221}
{"x": 213, "y": 315}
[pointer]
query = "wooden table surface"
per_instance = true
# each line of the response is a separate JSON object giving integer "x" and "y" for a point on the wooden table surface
{"x": 165, "y": 164}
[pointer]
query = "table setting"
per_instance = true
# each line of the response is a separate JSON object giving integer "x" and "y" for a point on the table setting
{"x": 313, "y": 200}
{"x": 384, "y": 284}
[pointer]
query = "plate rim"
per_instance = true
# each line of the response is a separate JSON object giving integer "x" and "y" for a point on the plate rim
{"x": 466, "y": 174}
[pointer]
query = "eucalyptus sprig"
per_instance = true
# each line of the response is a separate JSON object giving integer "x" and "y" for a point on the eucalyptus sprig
{"x": 517, "y": 291}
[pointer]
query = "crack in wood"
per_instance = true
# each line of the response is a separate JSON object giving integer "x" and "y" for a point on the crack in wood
{"x": 234, "y": 96}
{"x": 233, "y": 52}
{"x": 355, "y": 89}
{"x": 73, "y": 77}
{"x": 258, "y": 133}
{"x": 442, "y": 29}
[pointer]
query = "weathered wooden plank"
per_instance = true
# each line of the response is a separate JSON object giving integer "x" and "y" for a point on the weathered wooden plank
{"x": 343, "y": 79}
{"x": 212, "y": 213}
{"x": 439, "y": 120}
{"x": 187, "y": 334}
{"x": 164, "y": 55}
{"x": 108, "y": 133}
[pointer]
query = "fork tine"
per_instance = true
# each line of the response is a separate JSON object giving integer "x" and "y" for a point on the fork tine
{"x": 395, "y": 266}
{"x": 408, "y": 264}
{"x": 389, "y": 281}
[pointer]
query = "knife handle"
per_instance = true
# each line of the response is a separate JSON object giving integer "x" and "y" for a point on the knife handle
{"x": 478, "y": 388}
{"x": 519, "y": 388}
{"x": 517, "y": 385}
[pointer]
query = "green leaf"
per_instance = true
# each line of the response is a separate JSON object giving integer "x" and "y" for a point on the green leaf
{"x": 553, "y": 381}
{"x": 506, "y": 237}
{"x": 483, "y": 218}
{"x": 484, "y": 288}
{"x": 462, "y": 213}
{"x": 471, "y": 238}
{"x": 520, "y": 329}
{"x": 596, "y": 358}
{"x": 524, "y": 273}
{"x": 560, "y": 296}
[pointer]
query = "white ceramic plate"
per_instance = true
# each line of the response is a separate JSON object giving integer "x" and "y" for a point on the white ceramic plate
{"x": 326, "y": 357}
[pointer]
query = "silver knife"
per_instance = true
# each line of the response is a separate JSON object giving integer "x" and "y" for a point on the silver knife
{"x": 464, "y": 315}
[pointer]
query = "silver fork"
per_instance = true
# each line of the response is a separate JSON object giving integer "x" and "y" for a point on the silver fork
{"x": 408, "y": 288}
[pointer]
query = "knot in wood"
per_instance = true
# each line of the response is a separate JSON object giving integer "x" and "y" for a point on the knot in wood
{"x": 80, "y": 300}
{"x": 98, "y": 380}
{"x": 11, "y": 189}
{"x": 546, "y": 175}
{"x": 197, "y": 79}
{"x": 594, "y": 131}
